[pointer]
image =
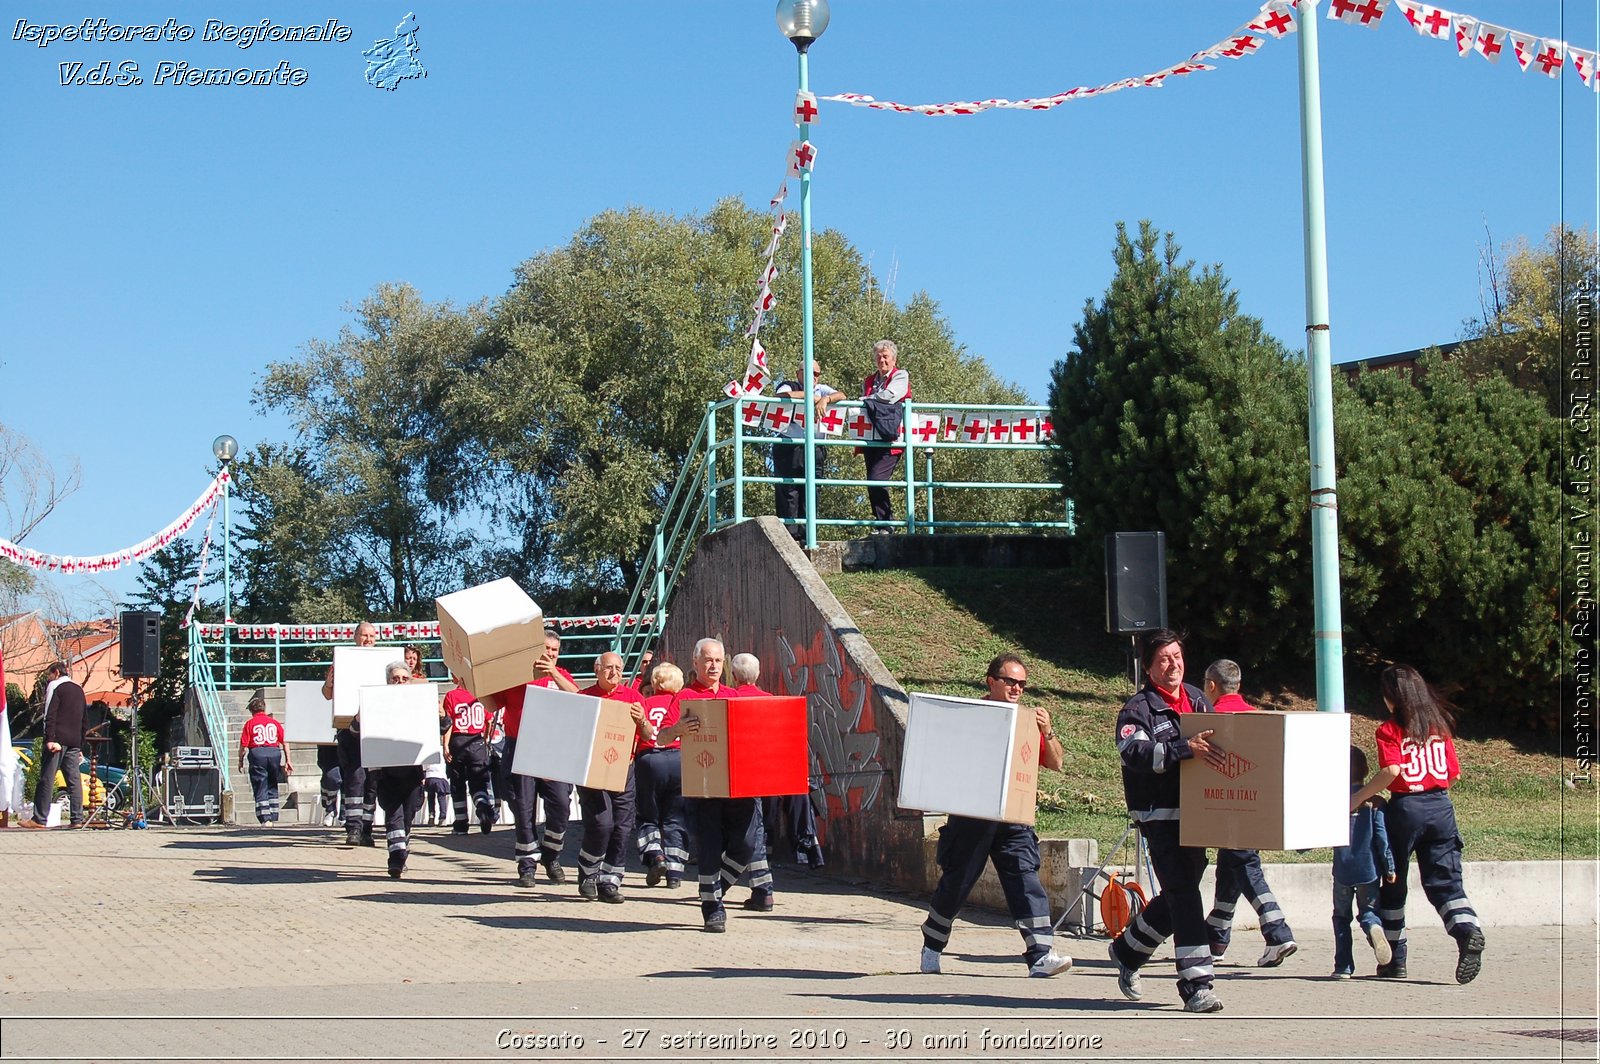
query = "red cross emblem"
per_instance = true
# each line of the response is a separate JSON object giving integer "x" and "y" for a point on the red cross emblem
{"x": 1517, "y": 47}
{"x": 1370, "y": 12}
{"x": 1047, "y": 429}
{"x": 805, "y": 111}
{"x": 752, "y": 413}
{"x": 1437, "y": 20}
{"x": 754, "y": 381}
{"x": 1411, "y": 17}
{"x": 778, "y": 417}
{"x": 860, "y": 427}
{"x": 1242, "y": 46}
{"x": 975, "y": 429}
{"x": 999, "y": 430}
{"x": 804, "y": 154}
{"x": 1489, "y": 44}
{"x": 951, "y": 426}
{"x": 926, "y": 431}
{"x": 831, "y": 421}
{"x": 1023, "y": 430}
{"x": 1277, "y": 23}
{"x": 1341, "y": 8}
{"x": 1550, "y": 60}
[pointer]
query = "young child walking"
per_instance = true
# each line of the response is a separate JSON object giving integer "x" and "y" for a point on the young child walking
{"x": 1356, "y": 871}
{"x": 1417, "y": 763}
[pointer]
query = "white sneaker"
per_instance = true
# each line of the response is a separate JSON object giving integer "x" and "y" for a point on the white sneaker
{"x": 930, "y": 961}
{"x": 1049, "y": 965}
{"x": 1202, "y": 1000}
{"x": 1380, "y": 944}
{"x": 1217, "y": 959}
{"x": 1275, "y": 955}
{"x": 329, "y": 819}
{"x": 1127, "y": 978}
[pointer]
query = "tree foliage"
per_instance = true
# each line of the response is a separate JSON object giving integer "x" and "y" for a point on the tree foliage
{"x": 1175, "y": 412}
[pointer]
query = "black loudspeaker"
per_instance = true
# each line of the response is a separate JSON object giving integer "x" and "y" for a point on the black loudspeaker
{"x": 141, "y": 644}
{"x": 194, "y": 793}
{"x": 1136, "y": 581}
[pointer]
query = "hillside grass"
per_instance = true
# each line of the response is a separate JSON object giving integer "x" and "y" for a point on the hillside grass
{"x": 937, "y": 629}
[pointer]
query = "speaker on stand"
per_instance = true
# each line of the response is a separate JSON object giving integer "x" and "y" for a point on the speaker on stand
{"x": 139, "y": 637}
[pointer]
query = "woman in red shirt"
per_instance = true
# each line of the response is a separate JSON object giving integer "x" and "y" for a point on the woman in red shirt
{"x": 264, "y": 754}
{"x": 1417, "y": 763}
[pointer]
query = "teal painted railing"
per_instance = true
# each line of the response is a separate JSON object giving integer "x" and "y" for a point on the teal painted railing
{"x": 204, "y": 686}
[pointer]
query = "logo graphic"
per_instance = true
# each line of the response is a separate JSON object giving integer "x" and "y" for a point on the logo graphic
{"x": 706, "y": 759}
{"x": 393, "y": 61}
{"x": 1127, "y": 730}
{"x": 1236, "y": 766}
{"x": 1027, "y": 753}
{"x": 610, "y": 756}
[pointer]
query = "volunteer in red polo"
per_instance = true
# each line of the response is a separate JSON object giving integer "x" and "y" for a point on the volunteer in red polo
{"x": 265, "y": 755}
{"x": 525, "y": 791}
{"x": 609, "y": 816}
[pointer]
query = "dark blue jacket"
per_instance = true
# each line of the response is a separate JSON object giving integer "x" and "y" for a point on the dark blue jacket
{"x": 1368, "y": 851}
{"x": 1151, "y": 747}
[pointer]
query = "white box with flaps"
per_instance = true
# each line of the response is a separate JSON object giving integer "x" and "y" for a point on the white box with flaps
{"x": 579, "y": 739}
{"x": 400, "y": 725}
{"x": 970, "y": 757}
{"x": 307, "y": 716}
{"x": 353, "y": 669}
{"x": 490, "y": 635}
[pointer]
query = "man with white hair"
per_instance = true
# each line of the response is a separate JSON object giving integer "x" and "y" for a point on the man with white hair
{"x": 725, "y": 826}
{"x": 791, "y": 809}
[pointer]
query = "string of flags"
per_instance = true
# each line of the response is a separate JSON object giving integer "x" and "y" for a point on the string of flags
{"x": 921, "y": 426}
{"x": 425, "y": 630}
{"x": 1276, "y": 20}
{"x": 802, "y": 159}
{"x": 200, "y": 577}
{"x": 99, "y": 563}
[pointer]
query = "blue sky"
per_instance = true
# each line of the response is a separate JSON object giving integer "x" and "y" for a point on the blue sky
{"x": 164, "y": 243}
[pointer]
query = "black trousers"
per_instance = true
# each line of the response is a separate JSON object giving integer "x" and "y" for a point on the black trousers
{"x": 881, "y": 464}
{"x": 399, "y": 794}
{"x": 332, "y": 777}
{"x": 1176, "y": 912}
{"x": 965, "y": 846}
{"x": 265, "y": 763}
{"x": 608, "y": 823}
{"x": 68, "y": 762}
{"x": 525, "y": 794}
{"x": 1424, "y": 824}
{"x": 789, "y": 460}
{"x": 663, "y": 827}
{"x": 469, "y": 775}
{"x": 360, "y": 793}
{"x": 729, "y": 827}
{"x": 1239, "y": 872}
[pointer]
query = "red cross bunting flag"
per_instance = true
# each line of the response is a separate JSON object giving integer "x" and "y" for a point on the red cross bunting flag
{"x": 1466, "y": 32}
{"x": 1551, "y": 57}
{"x": 857, "y": 426}
{"x": 1583, "y": 62}
{"x": 1522, "y": 46}
{"x": 777, "y": 231}
{"x": 805, "y": 108}
{"x": 831, "y": 423}
{"x": 951, "y": 428}
{"x": 1358, "y": 12}
{"x": 1491, "y": 41}
{"x": 1276, "y": 19}
{"x": 974, "y": 427}
{"x": 755, "y": 374}
{"x": 925, "y": 426}
{"x": 999, "y": 430}
{"x": 802, "y": 157}
{"x": 779, "y": 196}
{"x": 1025, "y": 429}
{"x": 1047, "y": 429}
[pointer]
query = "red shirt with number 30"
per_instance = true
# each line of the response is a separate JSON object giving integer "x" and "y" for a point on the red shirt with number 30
{"x": 1429, "y": 766}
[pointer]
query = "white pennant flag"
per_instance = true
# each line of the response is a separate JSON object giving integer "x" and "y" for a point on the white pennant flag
{"x": 802, "y": 157}
{"x": 1522, "y": 46}
{"x": 1491, "y": 41}
{"x": 1364, "y": 13}
{"x": 779, "y": 196}
{"x": 1551, "y": 57}
{"x": 1275, "y": 19}
{"x": 1426, "y": 19}
{"x": 1466, "y": 34}
{"x": 805, "y": 108}
{"x": 1583, "y": 62}
{"x": 926, "y": 426}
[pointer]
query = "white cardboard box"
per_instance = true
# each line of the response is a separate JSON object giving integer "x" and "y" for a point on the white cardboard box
{"x": 574, "y": 738}
{"x": 1286, "y": 785}
{"x": 307, "y": 716}
{"x": 400, "y": 725}
{"x": 490, "y": 635}
{"x": 971, "y": 757}
{"x": 353, "y": 669}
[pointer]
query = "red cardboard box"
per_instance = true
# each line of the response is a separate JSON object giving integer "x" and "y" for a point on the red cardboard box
{"x": 746, "y": 748}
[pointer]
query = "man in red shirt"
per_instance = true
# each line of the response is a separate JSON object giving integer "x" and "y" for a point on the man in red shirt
{"x": 1239, "y": 871}
{"x": 791, "y": 809}
{"x": 525, "y": 791}
{"x": 726, "y": 826}
{"x": 609, "y": 816}
{"x": 264, "y": 754}
{"x": 467, "y": 755}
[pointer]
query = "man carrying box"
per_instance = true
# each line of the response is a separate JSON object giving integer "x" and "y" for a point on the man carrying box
{"x": 1239, "y": 871}
{"x": 525, "y": 791}
{"x": 399, "y": 790}
{"x": 725, "y": 826}
{"x": 1151, "y": 748}
{"x": 791, "y": 809}
{"x": 359, "y": 794}
{"x": 967, "y": 844}
{"x": 609, "y": 816}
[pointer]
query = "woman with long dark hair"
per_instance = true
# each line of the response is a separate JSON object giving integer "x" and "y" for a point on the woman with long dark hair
{"x": 1417, "y": 763}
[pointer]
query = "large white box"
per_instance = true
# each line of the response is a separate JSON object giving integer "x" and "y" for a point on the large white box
{"x": 353, "y": 669}
{"x": 971, "y": 757}
{"x": 573, "y": 738}
{"x": 490, "y": 635}
{"x": 400, "y": 725}
{"x": 1286, "y": 785}
{"x": 307, "y": 716}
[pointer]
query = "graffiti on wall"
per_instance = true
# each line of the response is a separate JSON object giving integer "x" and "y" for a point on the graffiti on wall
{"x": 845, "y": 743}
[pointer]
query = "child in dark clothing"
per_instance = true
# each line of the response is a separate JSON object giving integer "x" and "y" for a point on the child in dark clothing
{"x": 1355, "y": 878}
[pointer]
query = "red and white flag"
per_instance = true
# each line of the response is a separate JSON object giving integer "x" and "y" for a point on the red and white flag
{"x": 765, "y": 300}
{"x": 755, "y": 374}
{"x": 857, "y": 426}
{"x": 1426, "y": 19}
{"x": 1047, "y": 429}
{"x": 1358, "y": 12}
{"x": 1239, "y": 46}
{"x": 974, "y": 428}
{"x": 831, "y": 423}
{"x": 768, "y": 275}
{"x": 926, "y": 426}
{"x": 1025, "y": 430}
{"x": 751, "y": 412}
{"x": 1551, "y": 57}
{"x": 1466, "y": 34}
{"x": 780, "y": 195}
{"x": 802, "y": 157}
{"x": 1276, "y": 19}
{"x": 999, "y": 430}
{"x": 1583, "y": 62}
{"x": 1491, "y": 41}
{"x": 777, "y": 232}
{"x": 805, "y": 108}
{"x": 1523, "y": 47}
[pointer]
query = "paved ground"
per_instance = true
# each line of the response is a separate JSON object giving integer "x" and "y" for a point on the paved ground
{"x": 223, "y": 944}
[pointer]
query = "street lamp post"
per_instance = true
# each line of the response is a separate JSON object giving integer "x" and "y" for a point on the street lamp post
{"x": 224, "y": 448}
{"x": 802, "y": 21}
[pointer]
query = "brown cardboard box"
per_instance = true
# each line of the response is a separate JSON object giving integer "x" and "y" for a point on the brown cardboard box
{"x": 746, "y": 747}
{"x": 970, "y": 757}
{"x": 581, "y": 739}
{"x": 1286, "y": 785}
{"x": 490, "y": 635}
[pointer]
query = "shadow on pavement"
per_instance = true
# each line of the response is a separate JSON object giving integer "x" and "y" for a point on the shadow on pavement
{"x": 255, "y": 875}
{"x": 542, "y": 922}
{"x": 755, "y": 973}
{"x": 968, "y": 1000}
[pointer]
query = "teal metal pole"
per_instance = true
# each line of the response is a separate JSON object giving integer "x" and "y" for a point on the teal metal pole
{"x": 1327, "y": 623}
{"x": 807, "y": 376}
{"x": 227, "y": 578}
{"x": 711, "y": 468}
{"x": 738, "y": 464}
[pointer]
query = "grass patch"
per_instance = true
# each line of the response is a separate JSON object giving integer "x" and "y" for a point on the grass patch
{"x": 937, "y": 629}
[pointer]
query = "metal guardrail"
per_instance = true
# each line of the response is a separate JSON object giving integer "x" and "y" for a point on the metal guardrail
{"x": 204, "y": 686}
